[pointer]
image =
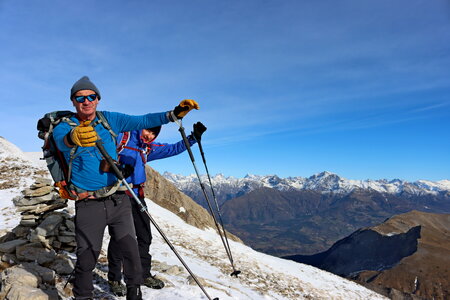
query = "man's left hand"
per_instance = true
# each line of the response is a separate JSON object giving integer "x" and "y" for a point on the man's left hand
{"x": 184, "y": 107}
{"x": 199, "y": 129}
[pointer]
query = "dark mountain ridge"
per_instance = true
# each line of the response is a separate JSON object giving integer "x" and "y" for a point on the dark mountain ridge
{"x": 406, "y": 257}
{"x": 306, "y": 222}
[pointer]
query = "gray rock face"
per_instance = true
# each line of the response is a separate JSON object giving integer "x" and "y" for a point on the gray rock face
{"x": 35, "y": 252}
{"x": 10, "y": 247}
{"x": 62, "y": 265}
{"x": 49, "y": 226}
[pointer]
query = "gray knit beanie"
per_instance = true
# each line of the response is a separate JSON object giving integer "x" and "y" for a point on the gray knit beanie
{"x": 84, "y": 84}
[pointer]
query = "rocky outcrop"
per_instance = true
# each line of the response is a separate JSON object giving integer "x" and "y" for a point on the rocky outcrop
{"x": 165, "y": 194}
{"x": 34, "y": 254}
{"x": 406, "y": 257}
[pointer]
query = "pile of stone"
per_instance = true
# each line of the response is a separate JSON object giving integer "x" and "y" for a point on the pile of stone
{"x": 36, "y": 252}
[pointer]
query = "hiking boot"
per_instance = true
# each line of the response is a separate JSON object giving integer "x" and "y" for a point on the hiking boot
{"x": 117, "y": 288}
{"x": 153, "y": 282}
{"x": 134, "y": 292}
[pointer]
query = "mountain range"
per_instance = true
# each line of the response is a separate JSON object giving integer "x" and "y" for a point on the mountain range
{"x": 230, "y": 187}
{"x": 290, "y": 216}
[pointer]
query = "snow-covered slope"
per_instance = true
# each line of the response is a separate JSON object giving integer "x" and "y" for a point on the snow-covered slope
{"x": 16, "y": 168}
{"x": 323, "y": 182}
{"x": 263, "y": 276}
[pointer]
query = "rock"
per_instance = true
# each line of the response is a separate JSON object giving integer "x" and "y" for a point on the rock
{"x": 35, "y": 252}
{"x": 17, "y": 275}
{"x": 67, "y": 248}
{"x": 174, "y": 270}
{"x": 34, "y": 200}
{"x": 66, "y": 233}
{"x": 10, "y": 247}
{"x": 56, "y": 244}
{"x": 202, "y": 281}
{"x": 40, "y": 208}
{"x": 7, "y": 236}
{"x": 49, "y": 225}
{"x": 38, "y": 192}
{"x": 66, "y": 239}
{"x": 62, "y": 265}
{"x": 70, "y": 225}
{"x": 29, "y": 223}
{"x": 30, "y": 217}
{"x": 41, "y": 182}
{"x": 21, "y": 231}
{"x": 18, "y": 292}
{"x": 36, "y": 238}
{"x": 10, "y": 258}
{"x": 17, "y": 199}
{"x": 159, "y": 266}
{"x": 47, "y": 275}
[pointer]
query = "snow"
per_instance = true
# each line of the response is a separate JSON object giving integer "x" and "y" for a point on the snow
{"x": 263, "y": 276}
{"x": 11, "y": 151}
{"x": 35, "y": 157}
{"x": 9, "y": 218}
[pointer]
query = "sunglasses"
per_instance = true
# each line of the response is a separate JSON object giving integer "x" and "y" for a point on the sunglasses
{"x": 81, "y": 99}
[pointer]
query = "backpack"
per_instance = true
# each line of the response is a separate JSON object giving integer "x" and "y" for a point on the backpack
{"x": 57, "y": 165}
{"x": 124, "y": 145}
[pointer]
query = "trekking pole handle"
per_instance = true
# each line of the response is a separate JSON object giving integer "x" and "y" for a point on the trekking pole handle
{"x": 108, "y": 158}
{"x": 186, "y": 142}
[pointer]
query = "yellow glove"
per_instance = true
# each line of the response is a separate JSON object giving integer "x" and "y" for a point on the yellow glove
{"x": 84, "y": 135}
{"x": 184, "y": 107}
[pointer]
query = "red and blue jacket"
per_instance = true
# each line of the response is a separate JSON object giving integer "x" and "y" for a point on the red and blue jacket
{"x": 133, "y": 151}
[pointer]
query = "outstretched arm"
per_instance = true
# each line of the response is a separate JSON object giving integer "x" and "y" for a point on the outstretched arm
{"x": 160, "y": 150}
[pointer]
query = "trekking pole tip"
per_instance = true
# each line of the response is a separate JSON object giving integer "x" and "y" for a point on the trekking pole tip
{"x": 235, "y": 273}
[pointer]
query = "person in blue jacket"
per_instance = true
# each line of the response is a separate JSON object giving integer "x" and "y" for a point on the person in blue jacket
{"x": 135, "y": 149}
{"x": 100, "y": 202}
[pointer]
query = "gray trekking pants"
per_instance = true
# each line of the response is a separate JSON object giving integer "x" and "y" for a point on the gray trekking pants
{"x": 91, "y": 219}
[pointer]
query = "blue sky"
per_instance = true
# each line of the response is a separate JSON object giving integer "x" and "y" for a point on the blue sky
{"x": 293, "y": 88}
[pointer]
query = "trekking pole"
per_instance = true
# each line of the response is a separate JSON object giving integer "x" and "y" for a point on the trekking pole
{"x": 144, "y": 209}
{"x": 235, "y": 273}
{"x": 188, "y": 147}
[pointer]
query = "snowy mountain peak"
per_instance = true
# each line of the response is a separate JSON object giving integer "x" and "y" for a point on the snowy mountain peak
{"x": 326, "y": 182}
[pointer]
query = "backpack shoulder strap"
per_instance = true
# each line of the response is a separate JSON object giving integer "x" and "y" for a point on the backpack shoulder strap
{"x": 102, "y": 120}
{"x": 123, "y": 142}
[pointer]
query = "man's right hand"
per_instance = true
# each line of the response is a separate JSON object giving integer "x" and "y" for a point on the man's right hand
{"x": 84, "y": 135}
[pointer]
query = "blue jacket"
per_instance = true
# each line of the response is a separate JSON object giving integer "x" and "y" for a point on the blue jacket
{"x": 86, "y": 172}
{"x": 145, "y": 153}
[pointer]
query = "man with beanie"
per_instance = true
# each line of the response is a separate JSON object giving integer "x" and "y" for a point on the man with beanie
{"x": 100, "y": 201}
{"x": 135, "y": 149}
